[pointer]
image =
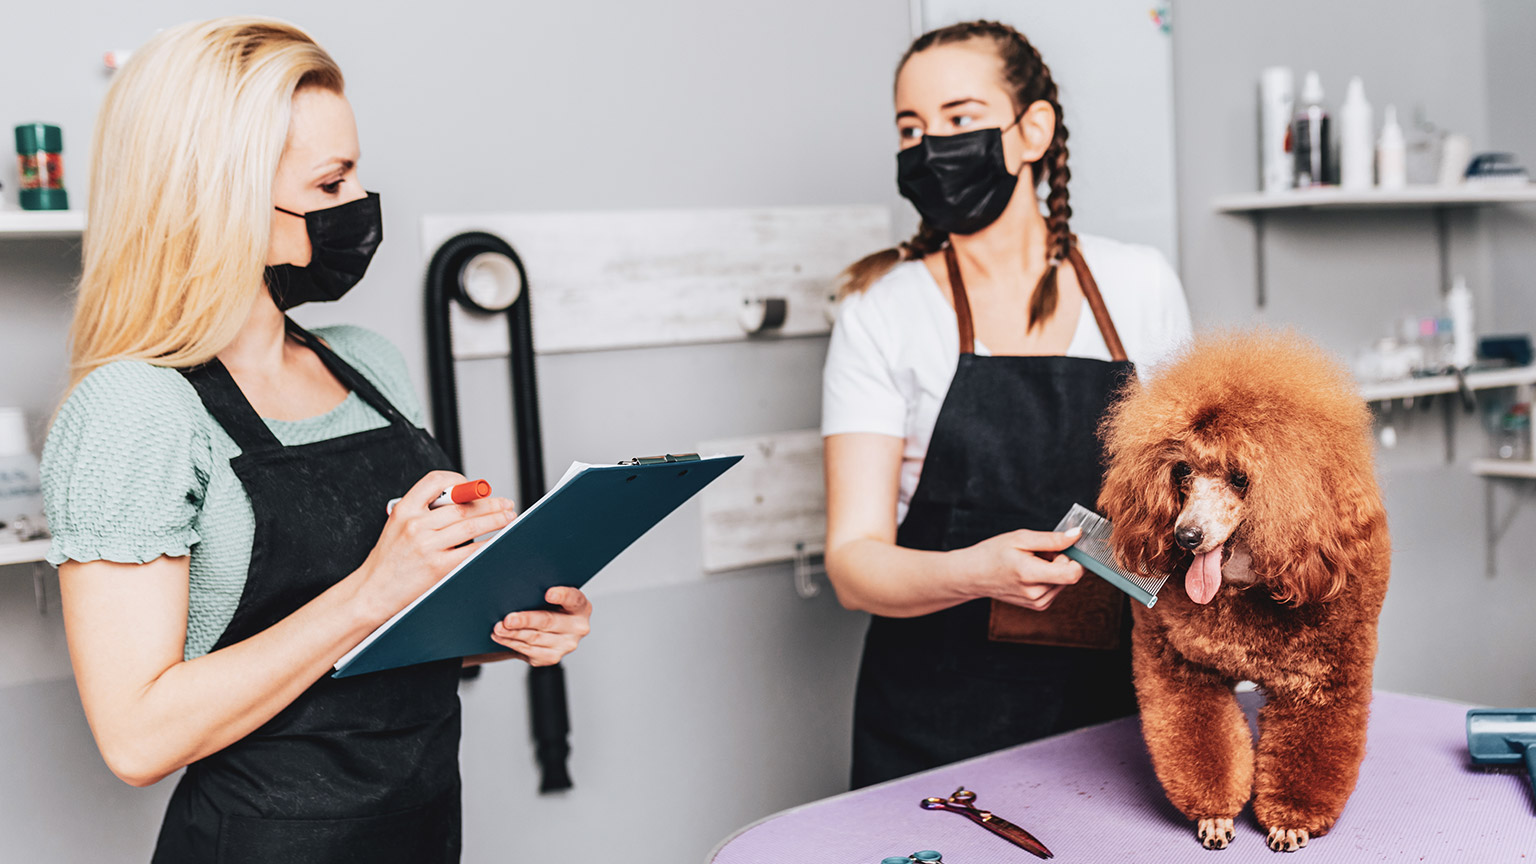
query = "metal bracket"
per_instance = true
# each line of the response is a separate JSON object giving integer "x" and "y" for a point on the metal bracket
{"x": 805, "y": 586}
{"x": 1260, "y": 276}
{"x": 40, "y": 587}
{"x": 1496, "y": 526}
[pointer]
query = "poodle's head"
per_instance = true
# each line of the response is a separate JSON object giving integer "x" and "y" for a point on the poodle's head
{"x": 1254, "y": 438}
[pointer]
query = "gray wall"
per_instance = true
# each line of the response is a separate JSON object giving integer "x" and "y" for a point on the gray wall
{"x": 729, "y": 684}
{"x": 1343, "y": 278}
{"x": 732, "y": 685}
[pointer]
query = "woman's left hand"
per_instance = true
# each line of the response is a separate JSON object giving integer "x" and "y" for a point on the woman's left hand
{"x": 543, "y": 637}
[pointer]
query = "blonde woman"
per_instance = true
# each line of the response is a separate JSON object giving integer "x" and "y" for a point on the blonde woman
{"x": 216, "y": 479}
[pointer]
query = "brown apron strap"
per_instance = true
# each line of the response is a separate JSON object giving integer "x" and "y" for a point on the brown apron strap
{"x": 962, "y": 303}
{"x": 1085, "y": 281}
{"x": 1095, "y": 302}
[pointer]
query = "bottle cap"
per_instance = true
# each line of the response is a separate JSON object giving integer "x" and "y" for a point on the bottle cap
{"x": 927, "y": 855}
{"x": 1312, "y": 90}
{"x": 903, "y": 859}
{"x": 13, "y": 432}
{"x": 1356, "y": 91}
{"x": 32, "y": 137}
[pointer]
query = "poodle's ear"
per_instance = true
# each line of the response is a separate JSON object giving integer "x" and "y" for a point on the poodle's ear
{"x": 1332, "y": 541}
{"x": 1138, "y": 494}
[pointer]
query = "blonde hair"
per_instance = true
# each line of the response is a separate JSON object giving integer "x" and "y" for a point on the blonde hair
{"x": 187, "y": 144}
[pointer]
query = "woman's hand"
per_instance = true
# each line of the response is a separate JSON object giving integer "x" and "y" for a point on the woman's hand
{"x": 542, "y": 637}
{"x": 419, "y": 545}
{"x": 1021, "y": 567}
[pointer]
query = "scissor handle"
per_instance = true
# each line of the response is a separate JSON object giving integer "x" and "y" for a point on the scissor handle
{"x": 935, "y": 804}
{"x": 963, "y": 796}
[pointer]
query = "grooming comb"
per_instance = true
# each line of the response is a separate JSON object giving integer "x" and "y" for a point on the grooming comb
{"x": 1092, "y": 551}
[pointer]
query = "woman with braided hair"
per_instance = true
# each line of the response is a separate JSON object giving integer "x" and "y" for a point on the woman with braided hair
{"x": 966, "y": 378}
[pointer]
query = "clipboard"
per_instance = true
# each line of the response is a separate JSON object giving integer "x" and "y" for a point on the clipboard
{"x": 593, "y": 513}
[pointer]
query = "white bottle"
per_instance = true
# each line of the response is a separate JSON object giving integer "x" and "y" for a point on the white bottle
{"x": 1458, "y": 307}
{"x": 1276, "y": 102}
{"x": 21, "y": 491}
{"x": 1391, "y": 153}
{"x": 1355, "y": 145}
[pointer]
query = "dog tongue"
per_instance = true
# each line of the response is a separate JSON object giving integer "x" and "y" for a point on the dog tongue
{"x": 1204, "y": 576}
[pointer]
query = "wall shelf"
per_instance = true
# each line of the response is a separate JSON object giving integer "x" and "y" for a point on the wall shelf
{"x": 34, "y": 224}
{"x": 1429, "y": 386}
{"x": 30, "y": 552}
{"x": 1332, "y": 197}
{"x": 1439, "y": 200}
{"x": 1518, "y": 468}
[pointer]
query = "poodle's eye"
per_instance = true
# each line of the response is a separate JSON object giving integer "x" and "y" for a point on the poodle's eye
{"x": 1181, "y": 472}
{"x": 1239, "y": 481}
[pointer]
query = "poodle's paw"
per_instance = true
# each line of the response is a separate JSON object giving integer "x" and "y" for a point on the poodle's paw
{"x": 1287, "y": 839}
{"x": 1215, "y": 833}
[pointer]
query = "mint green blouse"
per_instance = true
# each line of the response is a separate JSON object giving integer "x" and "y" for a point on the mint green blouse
{"x": 135, "y": 468}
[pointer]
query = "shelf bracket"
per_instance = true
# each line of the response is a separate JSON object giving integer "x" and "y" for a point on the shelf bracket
{"x": 1496, "y": 525}
{"x": 1443, "y": 246}
{"x": 1260, "y": 277}
{"x": 40, "y": 587}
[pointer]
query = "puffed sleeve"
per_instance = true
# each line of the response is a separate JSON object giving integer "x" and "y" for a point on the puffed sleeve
{"x": 858, "y": 390}
{"x": 125, "y": 467}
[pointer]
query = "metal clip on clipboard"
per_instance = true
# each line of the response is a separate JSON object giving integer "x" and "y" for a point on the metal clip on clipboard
{"x": 659, "y": 460}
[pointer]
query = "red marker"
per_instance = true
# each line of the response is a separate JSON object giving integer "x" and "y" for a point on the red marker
{"x": 463, "y": 493}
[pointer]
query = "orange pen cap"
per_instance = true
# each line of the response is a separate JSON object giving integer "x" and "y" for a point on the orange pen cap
{"x": 471, "y": 491}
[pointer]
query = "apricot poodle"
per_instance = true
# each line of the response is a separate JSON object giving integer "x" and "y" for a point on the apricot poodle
{"x": 1244, "y": 466}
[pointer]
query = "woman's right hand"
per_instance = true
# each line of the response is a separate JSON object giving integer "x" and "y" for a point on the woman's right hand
{"x": 1020, "y": 567}
{"x": 420, "y": 545}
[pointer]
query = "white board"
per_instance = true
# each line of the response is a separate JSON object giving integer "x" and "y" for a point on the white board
{"x": 773, "y": 501}
{"x": 626, "y": 279}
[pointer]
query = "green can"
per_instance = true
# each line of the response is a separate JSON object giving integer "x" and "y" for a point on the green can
{"x": 40, "y": 160}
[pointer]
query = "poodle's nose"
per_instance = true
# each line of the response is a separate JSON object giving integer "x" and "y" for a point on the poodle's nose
{"x": 1189, "y": 536}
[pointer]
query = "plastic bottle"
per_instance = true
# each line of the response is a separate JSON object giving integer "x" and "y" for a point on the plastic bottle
{"x": 1458, "y": 307}
{"x": 1276, "y": 104}
{"x": 1391, "y": 153}
{"x": 1355, "y": 145}
{"x": 1310, "y": 135}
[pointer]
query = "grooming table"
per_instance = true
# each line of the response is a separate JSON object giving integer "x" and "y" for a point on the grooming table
{"x": 1091, "y": 796}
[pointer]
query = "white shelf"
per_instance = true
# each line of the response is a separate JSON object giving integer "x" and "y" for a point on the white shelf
{"x": 23, "y": 553}
{"x": 32, "y": 224}
{"x": 1332, "y": 197}
{"x": 1430, "y": 386}
{"x": 1505, "y": 468}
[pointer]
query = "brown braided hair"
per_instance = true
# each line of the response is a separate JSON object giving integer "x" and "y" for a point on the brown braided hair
{"x": 1028, "y": 81}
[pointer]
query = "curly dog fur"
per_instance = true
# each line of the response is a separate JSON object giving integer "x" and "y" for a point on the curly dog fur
{"x": 1279, "y": 426}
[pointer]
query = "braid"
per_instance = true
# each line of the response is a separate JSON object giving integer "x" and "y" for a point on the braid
{"x": 865, "y": 271}
{"x": 1042, "y": 303}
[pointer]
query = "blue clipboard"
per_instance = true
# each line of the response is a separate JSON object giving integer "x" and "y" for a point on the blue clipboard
{"x": 564, "y": 539}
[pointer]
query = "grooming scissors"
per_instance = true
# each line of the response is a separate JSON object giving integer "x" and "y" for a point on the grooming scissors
{"x": 964, "y": 803}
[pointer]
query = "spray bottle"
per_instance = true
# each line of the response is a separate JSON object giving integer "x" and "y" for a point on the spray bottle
{"x": 1310, "y": 135}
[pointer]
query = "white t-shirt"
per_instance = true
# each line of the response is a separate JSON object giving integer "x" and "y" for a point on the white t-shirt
{"x": 895, "y": 347}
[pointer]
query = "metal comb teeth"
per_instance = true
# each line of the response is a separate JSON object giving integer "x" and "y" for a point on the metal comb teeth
{"x": 1092, "y": 550}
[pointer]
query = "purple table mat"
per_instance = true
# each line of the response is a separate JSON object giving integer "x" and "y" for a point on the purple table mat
{"x": 1091, "y": 796}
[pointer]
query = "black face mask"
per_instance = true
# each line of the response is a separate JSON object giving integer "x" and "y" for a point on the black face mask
{"x": 342, "y": 241}
{"x": 958, "y": 183}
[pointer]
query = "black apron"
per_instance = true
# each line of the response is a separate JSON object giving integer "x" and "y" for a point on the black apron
{"x": 1015, "y": 445}
{"x": 360, "y": 769}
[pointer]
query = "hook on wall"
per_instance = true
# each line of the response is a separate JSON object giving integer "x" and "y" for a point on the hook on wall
{"x": 760, "y": 315}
